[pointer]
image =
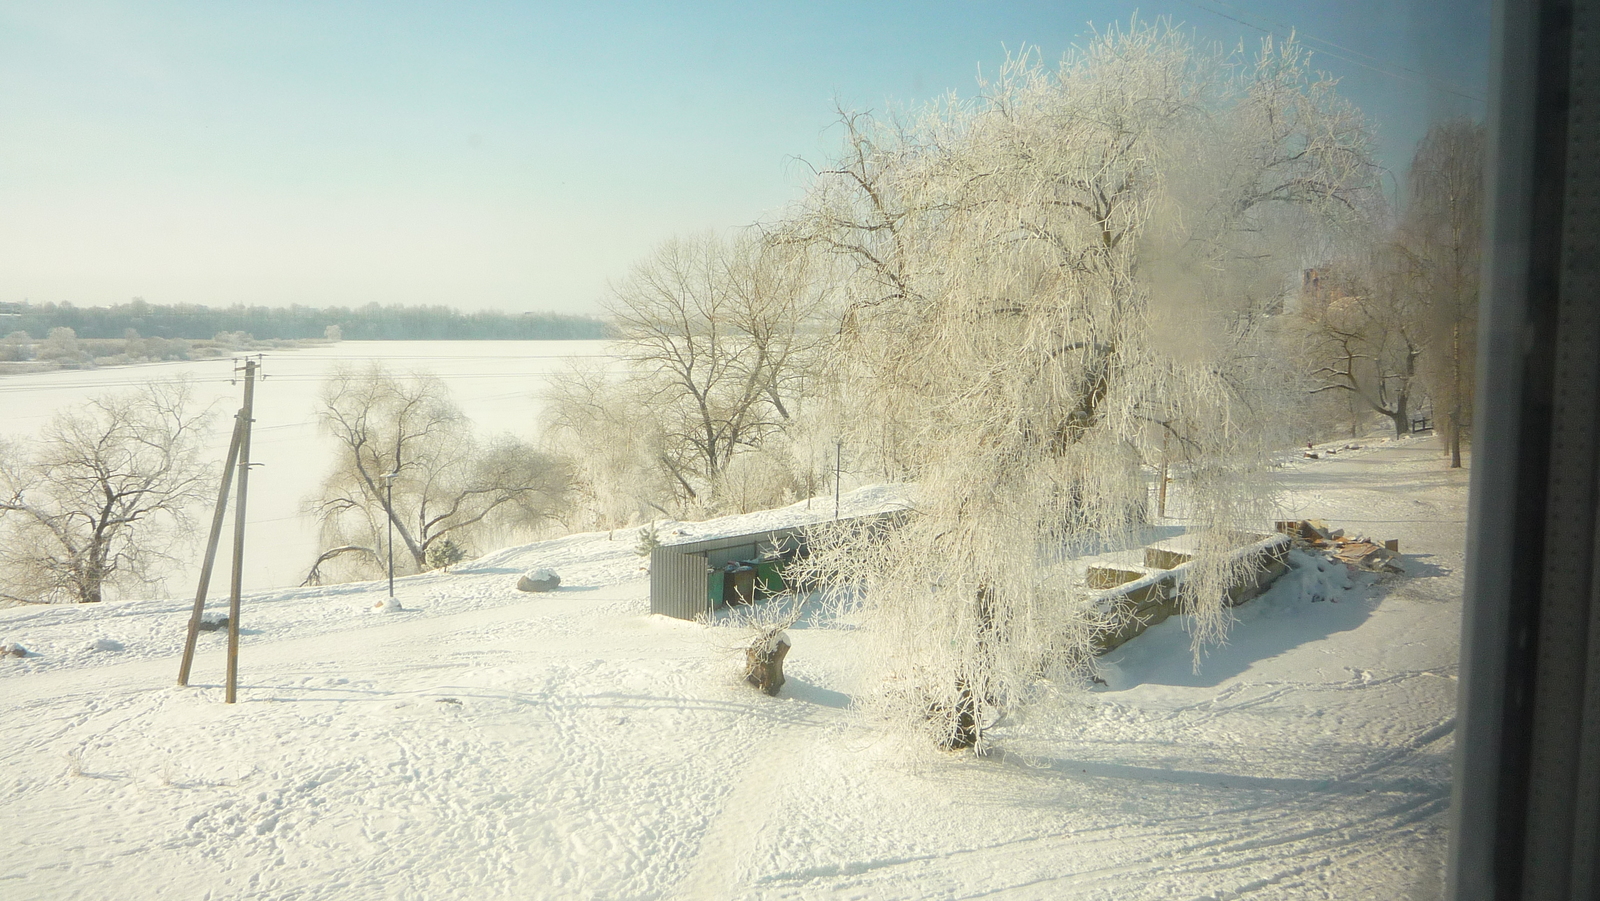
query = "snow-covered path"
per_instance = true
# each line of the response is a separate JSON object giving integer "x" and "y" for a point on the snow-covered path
{"x": 489, "y": 744}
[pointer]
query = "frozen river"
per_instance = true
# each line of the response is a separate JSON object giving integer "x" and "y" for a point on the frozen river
{"x": 496, "y": 383}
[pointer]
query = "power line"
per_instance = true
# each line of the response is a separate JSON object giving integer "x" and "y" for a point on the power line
{"x": 1377, "y": 65}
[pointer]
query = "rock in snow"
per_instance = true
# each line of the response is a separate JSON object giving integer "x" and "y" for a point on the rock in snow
{"x": 539, "y": 580}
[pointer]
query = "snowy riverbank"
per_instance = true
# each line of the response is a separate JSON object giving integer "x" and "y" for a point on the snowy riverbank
{"x": 484, "y": 743}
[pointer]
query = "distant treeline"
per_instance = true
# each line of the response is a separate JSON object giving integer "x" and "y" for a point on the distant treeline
{"x": 367, "y": 323}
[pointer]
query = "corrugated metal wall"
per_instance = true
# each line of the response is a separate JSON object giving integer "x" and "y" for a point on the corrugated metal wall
{"x": 677, "y": 583}
{"x": 679, "y": 573}
{"x": 722, "y": 556}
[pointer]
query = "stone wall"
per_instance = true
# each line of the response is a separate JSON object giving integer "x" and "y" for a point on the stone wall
{"x": 1135, "y": 606}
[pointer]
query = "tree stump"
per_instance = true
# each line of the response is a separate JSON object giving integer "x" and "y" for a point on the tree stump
{"x": 764, "y": 662}
{"x": 966, "y": 733}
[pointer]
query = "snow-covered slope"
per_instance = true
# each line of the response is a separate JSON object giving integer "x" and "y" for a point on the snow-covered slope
{"x": 486, "y": 743}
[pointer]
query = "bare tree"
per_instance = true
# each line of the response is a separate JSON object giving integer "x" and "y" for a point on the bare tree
{"x": 1046, "y": 284}
{"x": 614, "y": 443}
{"x": 1442, "y": 232}
{"x": 715, "y": 336}
{"x": 1367, "y": 333}
{"x": 103, "y": 500}
{"x": 407, "y": 458}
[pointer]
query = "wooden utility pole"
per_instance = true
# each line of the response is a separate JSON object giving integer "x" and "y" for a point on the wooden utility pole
{"x": 211, "y": 550}
{"x": 250, "y": 367}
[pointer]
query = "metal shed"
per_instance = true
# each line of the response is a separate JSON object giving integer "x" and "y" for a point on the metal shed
{"x": 689, "y": 579}
{"x": 692, "y": 578}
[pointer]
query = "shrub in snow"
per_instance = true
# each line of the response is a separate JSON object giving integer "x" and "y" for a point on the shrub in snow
{"x": 214, "y": 623}
{"x": 13, "y": 650}
{"x": 445, "y": 554}
{"x": 105, "y": 644}
{"x": 539, "y": 580}
{"x": 649, "y": 540}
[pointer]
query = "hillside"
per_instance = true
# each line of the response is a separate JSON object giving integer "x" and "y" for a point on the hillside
{"x": 485, "y": 743}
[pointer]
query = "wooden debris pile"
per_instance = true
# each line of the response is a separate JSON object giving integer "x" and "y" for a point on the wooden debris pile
{"x": 1311, "y": 452}
{"x": 1356, "y": 550}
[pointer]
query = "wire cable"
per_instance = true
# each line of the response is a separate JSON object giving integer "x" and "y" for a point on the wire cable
{"x": 1382, "y": 67}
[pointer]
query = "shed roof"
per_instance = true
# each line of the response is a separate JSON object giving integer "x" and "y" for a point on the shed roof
{"x": 732, "y": 531}
{"x": 727, "y": 541}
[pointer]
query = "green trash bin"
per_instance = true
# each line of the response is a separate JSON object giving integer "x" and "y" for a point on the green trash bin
{"x": 715, "y": 582}
{"x": 769, "y": 578}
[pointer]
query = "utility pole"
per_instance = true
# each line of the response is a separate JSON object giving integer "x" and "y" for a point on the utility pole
{"x": 238, "y": 459}
{"x": 245, "y": 420}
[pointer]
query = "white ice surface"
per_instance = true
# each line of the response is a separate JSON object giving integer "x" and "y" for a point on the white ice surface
{"x": 486, "y": 743}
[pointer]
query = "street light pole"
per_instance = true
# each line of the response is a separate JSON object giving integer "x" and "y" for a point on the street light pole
{"x": 388, "y": 484}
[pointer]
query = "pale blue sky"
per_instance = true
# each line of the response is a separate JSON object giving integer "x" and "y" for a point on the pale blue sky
{"x": 519, "y": 155}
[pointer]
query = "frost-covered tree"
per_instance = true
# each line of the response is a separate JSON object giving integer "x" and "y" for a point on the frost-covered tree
{"x": 1442, "y": 232}
{"x": 102, "y": 501}
{"x": 407, "y": 457}
{"x": 1367, "y": 332}
{"x": 61, "y": 346}
{"x": 592, "y": 416}
{"x": 16, "y": 346}
{"x": 715, "y": 337}
{"x": 1045, "y": 286}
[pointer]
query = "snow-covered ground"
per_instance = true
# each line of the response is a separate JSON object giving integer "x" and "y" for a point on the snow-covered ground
{"x": 484, "y": 743}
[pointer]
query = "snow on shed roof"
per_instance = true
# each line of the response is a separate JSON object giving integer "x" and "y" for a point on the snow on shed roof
{"x": 872, "y": 500}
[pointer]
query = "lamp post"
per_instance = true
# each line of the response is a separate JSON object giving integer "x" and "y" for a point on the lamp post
{"x": 388, "y": 487}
